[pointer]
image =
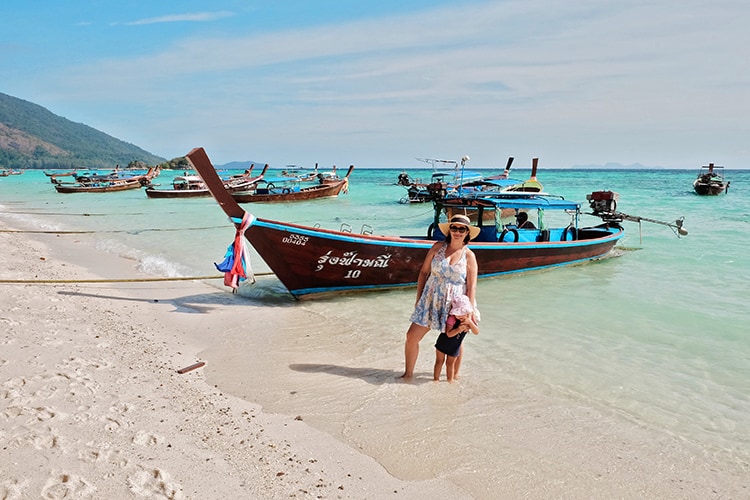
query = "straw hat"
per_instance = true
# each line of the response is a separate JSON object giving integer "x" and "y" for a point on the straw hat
{"x": 459, "y": 220}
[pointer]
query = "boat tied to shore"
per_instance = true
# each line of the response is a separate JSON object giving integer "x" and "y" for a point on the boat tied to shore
{"x": 316, "y": 262}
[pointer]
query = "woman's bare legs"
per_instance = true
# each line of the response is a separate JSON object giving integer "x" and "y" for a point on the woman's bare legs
{"x": 414, "y": 334}
{"x": 439, "y": 360}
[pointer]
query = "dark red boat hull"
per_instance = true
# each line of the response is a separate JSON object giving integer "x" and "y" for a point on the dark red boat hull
{"x": 313, "y": 261}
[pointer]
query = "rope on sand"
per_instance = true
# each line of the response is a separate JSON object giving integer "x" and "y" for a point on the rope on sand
{"x": 124, "y": 280}
{"x": 131, "y": 231}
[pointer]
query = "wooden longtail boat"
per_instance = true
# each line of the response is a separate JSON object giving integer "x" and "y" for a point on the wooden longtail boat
{"x": 313, "y": 262}
{"x": 107, "y": 185}
{"x": 462, "y": 185}
{"x": 270, "y": 192}
{"x": 192, "y": 186}
{"x": 710, "y": 181}
{"x": 99, "y": 187}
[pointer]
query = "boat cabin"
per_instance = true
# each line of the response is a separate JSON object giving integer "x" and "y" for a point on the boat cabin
{"x": 553, "y": 218}
{"x": 186, "y": 182}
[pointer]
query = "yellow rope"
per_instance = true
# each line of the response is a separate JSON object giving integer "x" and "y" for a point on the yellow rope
{"x": 133, "y": 231}
{"x": 124, "y": 280}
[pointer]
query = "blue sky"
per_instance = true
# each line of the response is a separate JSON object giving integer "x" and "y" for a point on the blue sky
{"x": 379, "y": 84}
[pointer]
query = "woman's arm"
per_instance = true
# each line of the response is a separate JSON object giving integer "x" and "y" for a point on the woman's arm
{"x": 471, "y": 275}
{"x": 424, "y": 271}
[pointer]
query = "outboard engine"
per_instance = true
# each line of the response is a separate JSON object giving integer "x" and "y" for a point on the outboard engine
{"x": 603, "y": 201}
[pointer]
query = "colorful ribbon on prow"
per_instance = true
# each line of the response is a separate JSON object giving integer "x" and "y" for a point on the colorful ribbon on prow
{"x": 236, "y": 263}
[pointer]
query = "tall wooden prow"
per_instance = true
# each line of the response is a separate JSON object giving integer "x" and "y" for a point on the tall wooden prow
{"x": 200, "y": 162}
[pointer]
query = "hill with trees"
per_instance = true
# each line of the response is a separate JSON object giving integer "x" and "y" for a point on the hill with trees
{"x": 33, "y": 137}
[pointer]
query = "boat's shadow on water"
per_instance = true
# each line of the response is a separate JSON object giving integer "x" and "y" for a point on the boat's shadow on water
{"x": 374, "y": 376}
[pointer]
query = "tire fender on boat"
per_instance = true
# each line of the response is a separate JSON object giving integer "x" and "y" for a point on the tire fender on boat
{"x": 570, "y": 230}
{"x": 286, "y": 191}
{"x": 505, "y": 233}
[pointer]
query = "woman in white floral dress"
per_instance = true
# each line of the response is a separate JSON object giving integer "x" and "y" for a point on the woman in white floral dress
{"x": 449, "y": 269}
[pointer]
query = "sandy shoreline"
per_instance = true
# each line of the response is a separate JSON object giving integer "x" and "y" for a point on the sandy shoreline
{"x": 92, "y": 406}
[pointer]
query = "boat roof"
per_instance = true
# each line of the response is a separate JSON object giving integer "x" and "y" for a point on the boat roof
{"x": 521, "y": 201}
{"x": 498, "y": 183}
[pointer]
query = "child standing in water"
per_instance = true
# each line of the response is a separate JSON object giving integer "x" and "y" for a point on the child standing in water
{"x": 448, "y": 345}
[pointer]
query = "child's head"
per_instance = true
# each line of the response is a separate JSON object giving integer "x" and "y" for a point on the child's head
{"x": 461, "y": 306}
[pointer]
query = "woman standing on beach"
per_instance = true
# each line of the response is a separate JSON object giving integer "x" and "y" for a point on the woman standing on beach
{"x": 449, "y": 269}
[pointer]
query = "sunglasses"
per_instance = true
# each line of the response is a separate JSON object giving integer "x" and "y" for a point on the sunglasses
{"x": 459, "y": 229}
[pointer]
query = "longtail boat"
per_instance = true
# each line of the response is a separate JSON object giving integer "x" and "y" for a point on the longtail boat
{"x": 192, "y": 186}
{"x": 107, "y": 185}
{"x": 710, "y": 181}
{"x": 267, "y": 191}
{"x": 313, "y": 262}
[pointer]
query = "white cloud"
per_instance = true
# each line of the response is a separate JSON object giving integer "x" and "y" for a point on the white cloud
{"x": 189, "y": 17}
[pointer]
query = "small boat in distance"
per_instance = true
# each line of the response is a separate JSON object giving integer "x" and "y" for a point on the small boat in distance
{"x": 192, "y": 186}
{"x": 105, "y": 184}
{"x": 441, "y": 186}
{"x": 267, "y": 190}
{"x": 314, "y": 261}
{"x": 710, "y": 181}
{"x": 446, "y": 176}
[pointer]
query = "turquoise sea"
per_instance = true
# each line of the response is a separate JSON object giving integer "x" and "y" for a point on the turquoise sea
{"x": 656, "y": 335}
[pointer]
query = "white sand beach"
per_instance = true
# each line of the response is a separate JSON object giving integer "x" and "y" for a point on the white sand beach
{"x": 92, "y": 406}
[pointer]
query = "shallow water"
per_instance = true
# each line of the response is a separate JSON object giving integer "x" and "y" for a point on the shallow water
{"x": 656, "y": 334}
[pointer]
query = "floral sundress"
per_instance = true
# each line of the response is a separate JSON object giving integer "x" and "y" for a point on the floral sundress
{"x": 445, "y": 282}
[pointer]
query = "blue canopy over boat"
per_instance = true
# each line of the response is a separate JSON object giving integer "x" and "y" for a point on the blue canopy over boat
{"x": 513, "y": 200}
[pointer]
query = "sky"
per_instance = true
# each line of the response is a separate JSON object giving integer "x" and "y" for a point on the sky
{"x": 381, "y": 83}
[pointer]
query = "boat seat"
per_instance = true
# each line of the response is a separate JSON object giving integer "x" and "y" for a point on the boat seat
{"x": 487, "y": 234}
{"x": 528, "y": 235}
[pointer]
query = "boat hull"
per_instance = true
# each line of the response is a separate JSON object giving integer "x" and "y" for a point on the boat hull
{"x": 329, "y": 189}
{"x": 709, "y": 188}
{"x": 153, "y": 192}
{"x": 103, "y": 188}
{"x": 311, "y": 262}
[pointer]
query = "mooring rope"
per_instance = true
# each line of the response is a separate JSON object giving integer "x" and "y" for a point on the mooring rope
{"x": 80, "y": 215}
{"x": 122, "y": 280}
{"x": 132, "y": 231}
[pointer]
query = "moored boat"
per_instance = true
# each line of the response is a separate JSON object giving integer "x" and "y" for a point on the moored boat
{"x": 105, "y": 185}
{"x": 267, "y": 191}
{"x": 313, "y": 261}
{"x": 447, "y": 175}
{"x": 710, "y": 181}
{"x": 192, "y": 186}
{"x": 461, "y": 182}
{"x": 99, "y": 186}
